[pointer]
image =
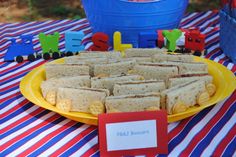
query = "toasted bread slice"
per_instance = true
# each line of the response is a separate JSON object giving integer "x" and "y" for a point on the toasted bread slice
{"x": 138, "y": 59}
{"x": 62, "y": 70}
{"x": 114, "y": 68}
{"x": 73, "y": 81}
{"x": 187, "y": 94}
{"x": 109, "y": 82}
{"x": 180, "y": 79}
{"x": 81, "y": 98}
{"x": 100, "y": 54}
{"x": 138, "y": 87}
{"x": 87, "y": 61}
{"x": 156, "y": 71}
{"x": 145, "y": 52}
{"x": 189, "y": 68}
{"x": 161, "y": 57}
{"x": 132, "y": 103}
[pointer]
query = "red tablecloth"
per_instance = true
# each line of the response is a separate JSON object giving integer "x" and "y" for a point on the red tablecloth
{"x": 28, "y": 130}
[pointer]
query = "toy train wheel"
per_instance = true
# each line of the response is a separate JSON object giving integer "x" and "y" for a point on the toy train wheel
{"x": 38, "y": 56}
{"x": 62, "y": 54}
{"x": 46, "y": 56}
{"x": 181, "y": 50}
{"x": 197, "y": 53}
{"x": 55, "y": 55}
{"x": 31, "y": 58}
{"x": 187, "y": 51}
{"x": 69, "y": 53}
{"x": 19, "y": 59}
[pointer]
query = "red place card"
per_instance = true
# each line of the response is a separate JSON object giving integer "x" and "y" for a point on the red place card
{"x": 133, "y": 133}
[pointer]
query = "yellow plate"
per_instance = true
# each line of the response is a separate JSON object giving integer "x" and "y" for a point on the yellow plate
{"x": 224, "y": 80}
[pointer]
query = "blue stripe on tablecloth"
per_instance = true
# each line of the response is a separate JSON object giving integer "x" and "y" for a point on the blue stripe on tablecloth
{"x": 7, "y": 91}
{"x": 55, "y": 139}
{"x": 7, "y": 102}
{"x": 196, "y": 17}
{"x": 25, "y": 123}
{"x": 176, "y": 140}
{"x": 30, "y": 136}
{"x": 17, "y": 112}
{"x": 212, "y": 15}
{"x": 215, "y": 129}
{"x": 42, "y": 28}
{"x": 50, "y": 29}
{"x": 231, "y": 148}
{"x": 5, "y": 64}
{"x": 13, "y": 78}
{"x": 97, "y": 154}
{"x": 14, "y": 69}
{"x": 80, "y": 143}
{"x": 212, "y": 33}
{"x": 216, "y": 54}
{"x": 76, "y": 25}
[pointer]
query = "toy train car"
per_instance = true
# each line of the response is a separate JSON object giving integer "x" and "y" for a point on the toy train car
{"x": 20, "y": 51}
{"x": 194, "y": 43}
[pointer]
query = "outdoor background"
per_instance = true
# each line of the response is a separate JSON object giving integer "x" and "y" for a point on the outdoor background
{"x": 31, "y": 10}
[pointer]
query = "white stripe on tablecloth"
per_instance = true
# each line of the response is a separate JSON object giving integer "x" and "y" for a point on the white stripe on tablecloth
{"x": 228, "y": 145}
{"x": 8, "y": 25}
{"x": 212, "y": 37}
{"x": 12, "y": 82}
{"x": 208, "y": 29}
{"x": 32, "y": 141}
{"x": 19, "y": 116}
{"x": 230, "y": 66}
{"x": 2, "y": 60}
{"x": 197, "y": 20}
{"x": 9, "y": 106}
{"x": 85, "y": 147}
{"x": 209, "y": 21}
{"x": 188, "y": 17}
{"x": 34, "y": 30}
{"x": 64, "y": 140}
{"x": 56, "y": 27}
{"x": 6, "y": 29}
{"x": 89, "y": 34}
{"x": 218, "y": 58}
{"x": 192, "y": 133}
{"x": 9, "y": 93}
{"x": 9, "y": 66}
{"x": 171, "y": 126}
{"x": 26, "y": 67}
{"x": 213, "y": 47}
{"x": 24, "y": 129}
{"x": 88, "y": 45}
{"x": 3, "y": 52}
{"x": 220, "y": 135}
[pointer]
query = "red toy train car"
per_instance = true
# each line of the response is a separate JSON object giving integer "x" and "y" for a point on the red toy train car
{"x": 194, "y": 43}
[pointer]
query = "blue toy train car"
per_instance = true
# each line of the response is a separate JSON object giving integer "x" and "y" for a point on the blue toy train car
{"x": 22, "y": 50}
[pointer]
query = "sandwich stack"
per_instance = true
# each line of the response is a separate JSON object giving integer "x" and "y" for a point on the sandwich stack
{"x": 146, "y": 79}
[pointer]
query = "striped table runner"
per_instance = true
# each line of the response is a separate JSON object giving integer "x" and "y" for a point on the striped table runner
{"x": 28, "y": 130}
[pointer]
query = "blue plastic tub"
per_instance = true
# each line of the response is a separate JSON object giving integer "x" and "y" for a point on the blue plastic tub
{"x": 227, "y": 35}
{"x": 131, "y": 18}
